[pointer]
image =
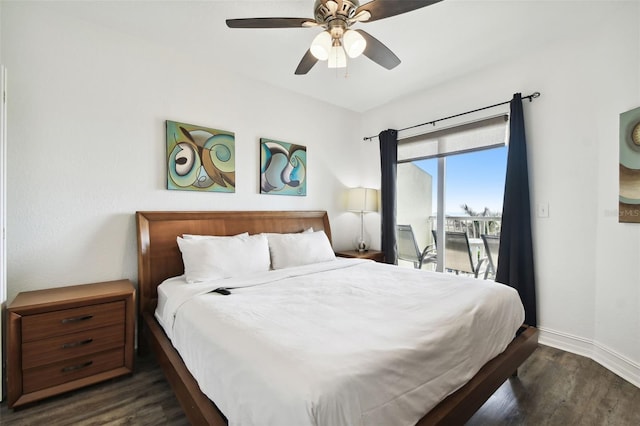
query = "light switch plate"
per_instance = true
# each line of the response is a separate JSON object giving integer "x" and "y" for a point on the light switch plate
{"x": 542, "y": 209}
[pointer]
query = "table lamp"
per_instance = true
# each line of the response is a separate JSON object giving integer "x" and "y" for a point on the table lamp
{"x": 362, "y": 200}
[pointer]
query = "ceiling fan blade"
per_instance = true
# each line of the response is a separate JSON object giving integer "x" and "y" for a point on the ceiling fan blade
{"x": 271, "y": 23}
{"x": 378, "y": 52}
{"x": 307, "y": 62}
{"x": 380, "y": 9}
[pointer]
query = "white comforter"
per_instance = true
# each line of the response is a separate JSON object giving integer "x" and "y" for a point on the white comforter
{"x": 346, "y": 342}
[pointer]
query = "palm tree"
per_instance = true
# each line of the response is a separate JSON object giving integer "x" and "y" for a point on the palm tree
{"x": 491, "y": 225}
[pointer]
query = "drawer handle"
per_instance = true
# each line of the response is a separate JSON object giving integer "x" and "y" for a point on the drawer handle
{"x": 76, "y": 367}
{"x": 76, "y": 344}
{"x": 76, "y": 319}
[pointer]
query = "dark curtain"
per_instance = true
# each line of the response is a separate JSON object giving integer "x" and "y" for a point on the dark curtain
{"x": 388, "y": 166}
{"x": 515, "y": 265}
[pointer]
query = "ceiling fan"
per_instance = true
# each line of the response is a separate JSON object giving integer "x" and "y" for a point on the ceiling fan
{"x": 338, "y": 40}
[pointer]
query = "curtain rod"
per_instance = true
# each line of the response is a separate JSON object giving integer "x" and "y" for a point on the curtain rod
{"x": 531, "y": 97}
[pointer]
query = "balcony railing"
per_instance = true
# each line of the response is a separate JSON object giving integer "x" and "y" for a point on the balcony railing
{"x": 474, "y": 226}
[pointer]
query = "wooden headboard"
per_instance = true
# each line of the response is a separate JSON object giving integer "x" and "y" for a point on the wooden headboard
{"x": 159, "y": 257}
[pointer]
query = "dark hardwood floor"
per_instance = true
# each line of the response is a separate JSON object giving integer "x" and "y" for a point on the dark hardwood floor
{"x": 142, "y": 399}
{"x": 553, "y": 388}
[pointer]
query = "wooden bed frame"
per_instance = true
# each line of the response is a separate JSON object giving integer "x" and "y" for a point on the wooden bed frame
{"x": 159, "y": 258}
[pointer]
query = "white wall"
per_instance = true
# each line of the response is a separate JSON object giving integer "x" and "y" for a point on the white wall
{"x": 87, "y": 145}
{"x": 587, "y": 264}
{"x": 415, "y": 188}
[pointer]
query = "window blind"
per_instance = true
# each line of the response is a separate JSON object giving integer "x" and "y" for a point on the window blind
{"x": 481, "y": 134}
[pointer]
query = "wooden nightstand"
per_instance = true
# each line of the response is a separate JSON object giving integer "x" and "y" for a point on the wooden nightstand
{"x": 378, "y": 256}
{"x": 65, "y": 338}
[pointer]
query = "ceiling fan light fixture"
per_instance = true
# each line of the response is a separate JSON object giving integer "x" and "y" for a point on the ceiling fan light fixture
{"x": 337, "y": 57}
{"x": 337, "y": 42}
{"x": 362, "y": 16}
{"x": 354, "y": 43}
{"x": 321, "y": 45}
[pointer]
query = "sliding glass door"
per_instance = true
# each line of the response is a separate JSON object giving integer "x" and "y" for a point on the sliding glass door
{"x": 452, "y": 191}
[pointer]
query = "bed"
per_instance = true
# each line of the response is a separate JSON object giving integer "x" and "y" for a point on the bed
{"x": 159, "y": 259}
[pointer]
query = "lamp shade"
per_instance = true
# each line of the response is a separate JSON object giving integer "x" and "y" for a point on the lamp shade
{"x": 321, "y": 46}
{"x": 354, "y": 43}
{"x": 337, "y": 57}
{"x": 363, "y": 200}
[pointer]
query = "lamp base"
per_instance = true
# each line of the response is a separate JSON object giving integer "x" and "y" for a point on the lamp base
{"x": 362, "y": 247}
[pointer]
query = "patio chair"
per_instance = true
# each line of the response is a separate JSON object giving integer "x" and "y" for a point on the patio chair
{"x": 408, "y": 248}
{"x": 491, "y": 249}
{"x": 458, "y": 256}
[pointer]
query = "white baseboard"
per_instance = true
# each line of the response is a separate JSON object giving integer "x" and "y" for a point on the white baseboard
{"x": 607, "y": 357}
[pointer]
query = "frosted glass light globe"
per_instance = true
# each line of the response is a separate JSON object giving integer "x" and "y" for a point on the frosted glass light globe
{"x": 321, "y": 45}
{"x": 354, "y": 43}
{"x": 337, "y": 57}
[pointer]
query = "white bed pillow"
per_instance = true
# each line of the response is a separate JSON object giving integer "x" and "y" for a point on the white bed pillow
{"x": 304, "y": 231}
{"x": 304, "y": 248}
{"x": 201, "y": 237}
{"x": 208, "y": 259}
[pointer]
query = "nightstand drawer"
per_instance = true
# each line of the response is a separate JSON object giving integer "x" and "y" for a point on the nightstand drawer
{"x": 65, "y": 321}
{"x": 47, "y": 351}
{"x": 71, "y": 369}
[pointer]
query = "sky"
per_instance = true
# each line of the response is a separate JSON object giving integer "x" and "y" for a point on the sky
{"x": 475, "y": 179}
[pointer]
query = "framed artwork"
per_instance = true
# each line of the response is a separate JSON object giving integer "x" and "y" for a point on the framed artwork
{"x": 629, "y": 196}
{"x": 283, "y": 168}
{"x": 200, "y": 158}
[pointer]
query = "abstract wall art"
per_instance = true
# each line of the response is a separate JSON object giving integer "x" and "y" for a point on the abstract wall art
{"x": 629, "y": 196}
{"x": 283, "y": 168}
{"x": 200, "y": 158}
